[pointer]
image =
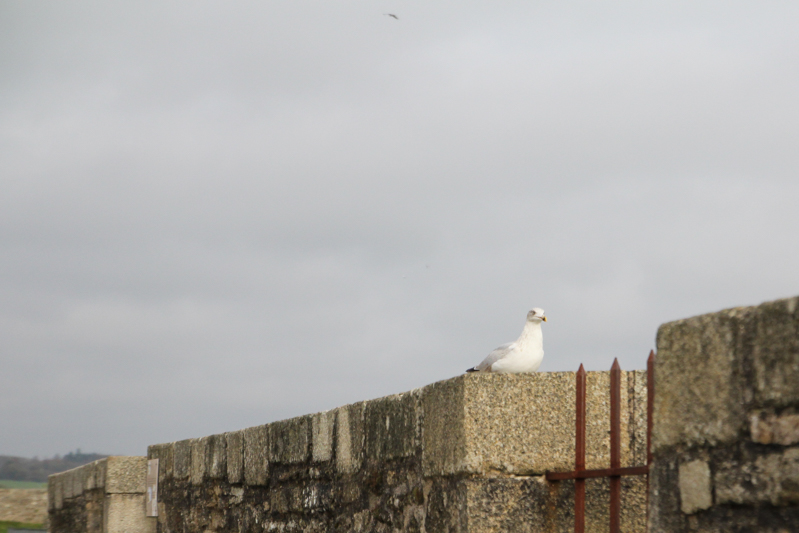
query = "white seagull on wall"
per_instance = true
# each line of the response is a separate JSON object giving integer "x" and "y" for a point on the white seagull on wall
{"x": 524, "y": 355}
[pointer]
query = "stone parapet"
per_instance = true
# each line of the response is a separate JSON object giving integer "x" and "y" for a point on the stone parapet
{"x": 726, "y": 421}
{"x": 467, "y": 454}
{"x": 106, "y": 496}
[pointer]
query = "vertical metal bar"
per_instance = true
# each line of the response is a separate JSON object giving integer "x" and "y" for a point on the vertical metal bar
{"x": 650, "y": 409}
{"x": 650, "y": 402}
{"x": 579, "y": 454}
{"x": 615, "y": 446}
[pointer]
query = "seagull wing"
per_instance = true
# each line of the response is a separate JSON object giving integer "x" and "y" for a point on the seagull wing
{"x": 495, "y": 356}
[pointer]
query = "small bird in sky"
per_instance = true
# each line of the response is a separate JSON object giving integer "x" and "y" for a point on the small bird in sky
{"x": 524, "y": 355}
{"x": 391, "y": 15}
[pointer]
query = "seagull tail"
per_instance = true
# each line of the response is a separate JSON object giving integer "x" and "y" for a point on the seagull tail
{"x": 473, "y": 369}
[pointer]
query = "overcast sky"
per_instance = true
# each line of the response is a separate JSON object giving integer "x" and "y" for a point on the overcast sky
{"x": 218, "y": 214}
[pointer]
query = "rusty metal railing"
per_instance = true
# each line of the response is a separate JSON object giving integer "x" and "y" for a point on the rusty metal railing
{"x": 615, "y": 472}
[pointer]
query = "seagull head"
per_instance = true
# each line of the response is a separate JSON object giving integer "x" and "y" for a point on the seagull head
{"x": 536, "y": 314}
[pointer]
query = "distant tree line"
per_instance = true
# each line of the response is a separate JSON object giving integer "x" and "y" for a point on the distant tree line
{"x": 23, "y": 469}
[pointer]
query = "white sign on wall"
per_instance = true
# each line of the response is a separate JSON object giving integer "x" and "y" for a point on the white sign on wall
{"x": 151, "y": 503}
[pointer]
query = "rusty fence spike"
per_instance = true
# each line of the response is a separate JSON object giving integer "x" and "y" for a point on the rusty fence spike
{"x": 650, "y": 402}
{"x": 650, "y": 410}
{"x": 579, "y": 452}
{"x": 615, "y": 446}
{"x": 615, "y": 472}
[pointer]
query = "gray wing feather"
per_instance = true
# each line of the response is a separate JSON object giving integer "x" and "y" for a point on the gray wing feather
{"x": 495, "y": 356}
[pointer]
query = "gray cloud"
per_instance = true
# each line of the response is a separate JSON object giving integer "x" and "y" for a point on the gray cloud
{"x": 213, "y": 218}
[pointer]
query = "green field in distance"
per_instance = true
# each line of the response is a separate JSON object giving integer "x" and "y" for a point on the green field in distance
{"x": 17, "y": 525}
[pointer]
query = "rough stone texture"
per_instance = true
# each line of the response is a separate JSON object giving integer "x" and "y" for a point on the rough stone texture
{"x": 165, "y": 453}
{"x": 726, "y": 428}
{"x": 699, "y": 381}
{"x": 124, "y": 513}
{"x": 695, "y": 486}
{"x": 463, "y": 455}
{"x": 55, "y": 487}
{"x": 393, "y": 428}
{"x": 95, "y": 475}
{"x": 323, "y": 426}
{"x": 200, "y": 459}
{"x": 349, "y": 443}
{"x": 23, "y": 505}
{"x": 217, "y": 449}
{"x": 768, "y": 428}
{"x": 444, "y": 438}
{"x": 101, "y": 497}
{"x": 124, "y": 475}
{"x": 479, "y": 423}
{"x": 526, "y": 504}
{"x": 290, "y": 440}
{"x": 182, "y": 457}
{"x": 771, "y": 478}
{"x": 235, "y": 456}
{"x": 775, "y": 353}
{"x": 256, "y": 455}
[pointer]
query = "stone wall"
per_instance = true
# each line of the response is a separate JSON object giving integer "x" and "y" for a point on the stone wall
{"x": 106, "y": 496}
{"x": 463, "y": 455}
{"x": 23, "y": 505}
{"x": 469, "y": 454}
{"x": 726, "y": 422}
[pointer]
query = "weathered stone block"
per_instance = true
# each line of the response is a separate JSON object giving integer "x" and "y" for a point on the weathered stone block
{"x": 771, "y": 478}
{"x": 256, "y": 455}
{"x": 775, "y": 350}
{"x": 349, "y": 438}
{"x": 182, "y": 458}
{"x": 125, "y": 474}
{"x": 200, "y": 455}
{"x": 322, "y": 441}
{"x": 768, "y": 428}
{"x": 165, "y": 453}
{"x": 788, "y": 478}
{"x": 73, "y": 482}
{"x": 443, "y": 431}
{"x": 699, "y": 380}
{"x": 392, "y": 426}
{"x": 96, "y": 490}
{"x": 235, "y": 456}
{"x": 124, "y": 513}
{"x": 524, "y": 423}
{"x": 289, "y": 440}
{"x": 727, "y": 389}
{"x": 217, "y": 468}
{"x": 50, "y": 493}
{"x": 95, "y": 475}
{"x": 57, "y": 482}
{"x": 695, "y": 486}
{"x": 316, "y": 496}
{"x": 515, "y": 504}
{"x": 68, "y": 484}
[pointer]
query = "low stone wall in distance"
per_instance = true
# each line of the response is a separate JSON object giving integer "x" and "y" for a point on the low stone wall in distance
{"x": 464, "y": 455}
{"x": 726, "y": 422}
{"x": 23, "y": 505}
{"x": 106, "y": 496}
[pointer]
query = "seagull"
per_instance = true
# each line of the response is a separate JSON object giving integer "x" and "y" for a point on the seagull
{"x": 524, "y": 355}
{"x": 391, "y": 15}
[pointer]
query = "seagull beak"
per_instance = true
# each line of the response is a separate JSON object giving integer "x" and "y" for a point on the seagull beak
{"x": 544, "y": 318}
